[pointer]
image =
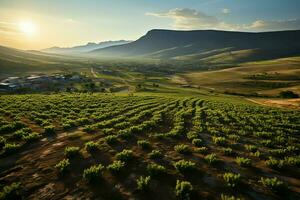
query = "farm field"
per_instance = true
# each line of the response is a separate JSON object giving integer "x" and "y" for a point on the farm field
{"x": 146, "y": 146}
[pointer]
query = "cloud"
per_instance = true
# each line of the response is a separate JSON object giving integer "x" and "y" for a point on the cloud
{"x": 8, "y": 28}
{"x": 226, "y": 11}
{"x": 186, "y": 19}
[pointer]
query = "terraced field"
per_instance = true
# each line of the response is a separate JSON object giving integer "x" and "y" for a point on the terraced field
{"x": 93, "y": 146}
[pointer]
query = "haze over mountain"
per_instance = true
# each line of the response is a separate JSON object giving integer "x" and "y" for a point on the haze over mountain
{"x": 84, "y": 48}
{"x": 203, "y": 44}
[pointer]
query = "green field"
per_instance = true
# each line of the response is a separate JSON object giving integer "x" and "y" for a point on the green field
{"x": 146, "y": 146}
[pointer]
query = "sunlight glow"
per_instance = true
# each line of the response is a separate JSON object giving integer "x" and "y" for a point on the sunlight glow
{"x": 28, "y": 28}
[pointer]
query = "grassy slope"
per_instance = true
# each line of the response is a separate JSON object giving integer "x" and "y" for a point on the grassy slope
{"x": 236, "y": 79}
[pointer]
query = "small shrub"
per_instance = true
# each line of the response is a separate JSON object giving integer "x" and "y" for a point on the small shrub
{"x": 183, "y": 189}
{"x": 11, "y": 192}
{"x": 91, "y": 146}
{"x": 2, "y": 141}
{"x": 274, "y": 184}
{"x": 184, "y": 166}
{"x": 251, "y": 148}
{"x": 116, "y": 166}
{"x": 89, "y": 128}
{"x": 155, "y": 154}
{"x": 50, "y": 129}
{"x": 182, "y": 148}
{"x": 197, "y": 142}
{"x": 292, "y": 161}
{"x": 144, "y": 144}
{"x": 232, "y": 179}
{"x": 155, "y": 169}
{"x": 111, "y": 139}
{"x": 93, "y": 173}
{"x": 288, "y": 94}
{"x": 211, "y": 158}
{"x": 274, "y": 163}
{"x": 226, "y": 197}
{"x": 143, "y": 183}
{"x": 243, "y": 162}
{"x": 227, "y": 151}
{"x": 235, "y": 138}
{"x": 202, "y": 150}
{"x": 63, "y": 166}
{"x": 125, "y": 155}
{"x": 31, "y": 137}
{"x": 10, "y": 148}
{"x": 71, "y": 152}
{"x": 219, "y": 141}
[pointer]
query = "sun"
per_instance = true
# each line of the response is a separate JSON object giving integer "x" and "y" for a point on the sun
{"x": 28, "y": 28}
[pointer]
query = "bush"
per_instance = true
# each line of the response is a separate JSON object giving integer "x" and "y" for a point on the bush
{"x": 93, "y": 173}
{"x": 182, "y": 148}
{"x": 219, "y": 140}
{"x": 125, "y": 155}
{"x": 183, "y": 189}
{"x": 211, "y": 158}
{"x": 155, "y": 154}
{"x": 71, "y": 152}
{"x": 274, "y": 163}
{"x": 274, "y": 184}
{"x": 111, "y": 139}
{"x": 11, "y": 192}
{"x": 232, "y": 179}
{"x": 184, "y": 166}
{"x": 143, "y": 183}
{"x": 144, "y": 144}
{"x": 292, "y": 161}
{"x": 251, "y": 148}
{"x": 91, "y": 146}
{"x": 2, "y": 141}
{"x": 32, "y": 137}
{"x": 116, "y": 166}
{"x": 227, "y": 151}
{"x": 202, "y": 150}
{"x": 63, "y": 166}
{"x": 89, "y": 128}
{"x": 288, "y": 94}
{"x": 243, "y": 162}
{"x": 226, "y": 197}
{"x": 197, "y": 142}
{"x": 155, "y": 169}
{"x": 49, "y": 129}
{"x": 10, "y": 148}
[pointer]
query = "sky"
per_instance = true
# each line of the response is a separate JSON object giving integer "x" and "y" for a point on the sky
{"x": 38, "y": 24}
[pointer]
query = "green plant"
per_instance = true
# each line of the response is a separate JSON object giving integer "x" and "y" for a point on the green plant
{"x": 155, "y": 154}
{"x": 274, "y": 163}
{"x": 31, "y": 137}
{"x": 63, "y": 166}
{"x": 197, "y": 142}
{"x": 144, "y": 144}
{"x": 182, "y": 148}
{"x": 116, "y": 166}
{"x": 91, "y": 146}
{"x": 227, "y": 151}
{"x": 111, "y": 139}
{"x": 183, "y": 189}
{"x": 219, "y": 140}
{"x": 11, "y": 192}
{"x": 202, "y": 150}
{"x": 2, "y": 141}
{"x": 274, "y": 184}
{"x": 125, "y": 155}
{"x": 93, "y": 173}
{"x": 71, "y": 152}
{"x": 184, "y": 166}
{"x": 155, "y": 169}
{"x": 211, "y": 158}
{"x": 10, "y": 148}
{"x": 232, "y": 179}
{"x": 143, "y": 183}
{"x": 251, "y": 148}
{"x": 243, "y": 162}
{"x": 50, "y": 129}
{"x": 226, "y": 197}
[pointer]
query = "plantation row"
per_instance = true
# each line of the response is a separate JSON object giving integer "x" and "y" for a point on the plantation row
{"x": 168, "y": 147}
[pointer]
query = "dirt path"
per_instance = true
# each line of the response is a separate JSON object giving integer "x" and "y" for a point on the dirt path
{"x": 279, "y": 103}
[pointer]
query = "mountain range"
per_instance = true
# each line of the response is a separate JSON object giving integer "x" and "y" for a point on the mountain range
{"x": 207, "y": 45}
{"x": 84, "y": 48}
